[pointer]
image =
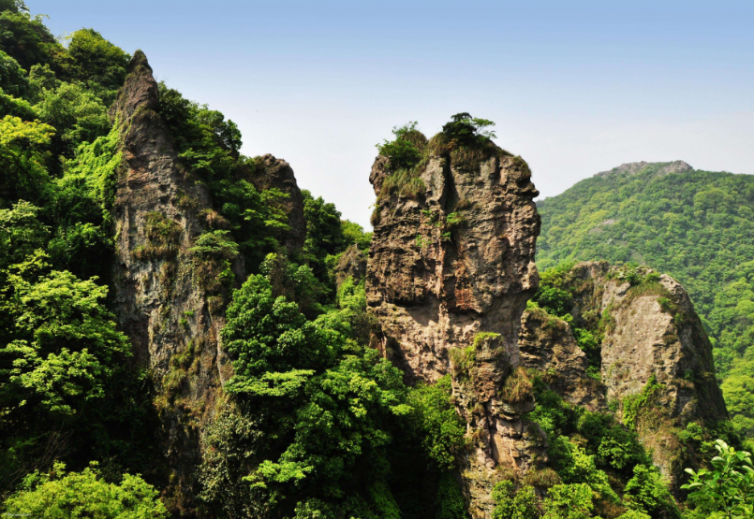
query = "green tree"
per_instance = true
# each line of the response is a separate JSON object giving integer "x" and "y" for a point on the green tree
{"x": 13, "y": 78}
{"x": 569, "y": 502}
{"x": 96, "y": 60}
{"x": 23, "y": 155}
{"x": 328, "y": 404}
{"x": 64, "y": 344}
{"x": 726, "y": 489}
{"x": 77, "y": 115}
{"x": 511, "y": 504}
{"x": 72, "y": 495}
{"x": 26, "y": 39}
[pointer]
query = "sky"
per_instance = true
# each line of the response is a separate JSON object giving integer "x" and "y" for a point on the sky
{"x": 575, "y": 87}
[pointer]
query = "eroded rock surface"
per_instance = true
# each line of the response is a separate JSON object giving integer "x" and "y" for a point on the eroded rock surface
{"x": 547, "y": 344}
{"x": 165, "y": 299}
{"x": 353, "y": 264}
{"x": 453, "y": 257}
{"x": 654, "y": 344}
{"x": 277, "y": 174}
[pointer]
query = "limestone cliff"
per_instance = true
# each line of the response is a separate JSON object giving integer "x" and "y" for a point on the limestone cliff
{"x": 449, "y": 272}
{"x": 653, "y": 345}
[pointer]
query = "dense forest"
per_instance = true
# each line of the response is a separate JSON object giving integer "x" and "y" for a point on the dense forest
{"x": 314, "y": 422}
{"x": 698, "y": 226}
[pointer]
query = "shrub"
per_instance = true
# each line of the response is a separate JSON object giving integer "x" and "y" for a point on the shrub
{"x": 510, "y": 504}
{"x": 84, "y": 494}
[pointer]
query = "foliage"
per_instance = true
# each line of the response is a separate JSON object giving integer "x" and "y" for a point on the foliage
{"x": 64, "y": 344}
{"x": 697, "y": 227}
{"x": 94, "y": 60}
{"x": 633, "y": 404}
{"x": 514, "y": 505}
{"x": 569, "y": 502}
{"x": 329, "y": 403}
{"x": 26, "y": 39}
{"x": 324, "y": 233}
{"x": 77, "y": 115}
{"x": 405, "y": 151}
{"x": 59, "y": 494}
{"x": 467, "y": 131}
{"x": 647, "y": 493}
{"x": 23, "y": 157}
{"x": 726, "y": 489}
{"x": 450, "y": 497}
{"x": 13, "y": 78}
{"x": 353, "y": 234}
{"x": 441, "y": 429}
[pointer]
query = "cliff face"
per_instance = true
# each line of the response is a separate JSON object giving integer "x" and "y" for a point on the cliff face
{"x": 277, "y": 174}
{"x": 654, "y": 345}
{"x": 449, "y": 272}
{"x": 547, "y": 344}
{"x": 164, "y": 298}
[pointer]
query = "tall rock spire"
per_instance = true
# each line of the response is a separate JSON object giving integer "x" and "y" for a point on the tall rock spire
{"x": 450, "y": 269}
{"x": 166, "y": 298}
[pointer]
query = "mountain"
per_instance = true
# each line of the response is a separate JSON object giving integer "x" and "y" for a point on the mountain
{"x": 697, "y": 226}
{"x": 185, "y": 332}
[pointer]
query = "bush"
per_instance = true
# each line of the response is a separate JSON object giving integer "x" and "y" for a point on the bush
{"x": 510, "y": 504}
{"x": 58, "y": 494}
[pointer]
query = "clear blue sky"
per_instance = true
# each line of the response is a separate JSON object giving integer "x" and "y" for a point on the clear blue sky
{"x": 575, "y": 87}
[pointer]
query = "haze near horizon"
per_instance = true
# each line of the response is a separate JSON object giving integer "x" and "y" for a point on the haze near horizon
{"x": 574, "y": 89}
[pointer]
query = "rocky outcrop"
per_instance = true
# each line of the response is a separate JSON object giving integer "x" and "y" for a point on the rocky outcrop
{"x": 665, "y": 168}
{"x": 450, "y": 270}
{"x": 547, "y": 345}
{"x": 656, "y": 359}
{"x": 273, "y": 173}
{"x": 165, "y": 297}
{"x": 352, "y": 263}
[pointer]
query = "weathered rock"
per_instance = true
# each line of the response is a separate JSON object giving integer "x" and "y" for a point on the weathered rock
{"x": 353, "y": 264}
{"x": 632, "y": 168}
{"x": 165, "y": 298}
{"x": 547, "y": 344}
{"x": 651, "y": 333}
{"x": 278, "y": 174}
{"x": 451, "y": 257}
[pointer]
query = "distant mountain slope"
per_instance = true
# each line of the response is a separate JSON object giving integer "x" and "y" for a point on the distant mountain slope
{"x": 698, "y": 226}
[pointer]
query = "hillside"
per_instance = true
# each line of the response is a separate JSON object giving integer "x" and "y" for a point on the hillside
{"x": 697, "y": 226}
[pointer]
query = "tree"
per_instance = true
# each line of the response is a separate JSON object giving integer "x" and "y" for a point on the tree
{"x": 510, "y": 504}
{"x": 76, "y": 113}
{"x": 329, "y": 406}
{"x": 23, "y": 155}
{"x": 64, "y": 344}
{"x": 726, "y": 489}
{"x": 96, "y": 60}
{"x": 569, "y": 502}
{"x": 72, "y": 495}
{"x": 13, "y": 78}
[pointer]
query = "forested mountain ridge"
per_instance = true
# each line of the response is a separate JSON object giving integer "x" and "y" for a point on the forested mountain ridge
{"x": 184, "y": 332}
{"x": 697, "y": 226}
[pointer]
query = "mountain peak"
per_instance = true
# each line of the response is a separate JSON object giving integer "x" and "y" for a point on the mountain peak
{"x": 663, "y": 168}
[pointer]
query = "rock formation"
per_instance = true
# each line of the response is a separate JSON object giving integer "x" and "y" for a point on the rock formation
{"x": 352, "y": 263}
{"x": 450, "y": 270}
{"x": 632, "y": 168}
{"x": 163, "y": 299}
{"x": 547, "y": 345}
{"x": 169, "y": 299}
{"x": 277, "y": 174}
{"x": 654, "y": 344}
